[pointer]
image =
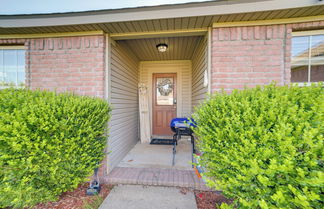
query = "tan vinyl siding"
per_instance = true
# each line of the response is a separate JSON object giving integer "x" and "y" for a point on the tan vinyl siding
{"x": 183, "y": 70}
{"x": 124, "y": 100}
{"x": 199, "y": 66}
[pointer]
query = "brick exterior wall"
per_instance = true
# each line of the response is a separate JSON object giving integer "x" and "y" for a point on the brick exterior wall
{"x": 75, "y": 64}
{"x": 255, "y": 55}
{"x": 68, "y": 64}
{"x": 241, "y": 56}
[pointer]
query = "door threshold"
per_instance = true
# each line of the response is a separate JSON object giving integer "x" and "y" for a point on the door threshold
{"x": 162, "y": 137}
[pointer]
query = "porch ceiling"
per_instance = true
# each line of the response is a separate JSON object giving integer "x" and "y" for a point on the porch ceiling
{"x": 180, "y": 23}
{"x": 179, "y": 48}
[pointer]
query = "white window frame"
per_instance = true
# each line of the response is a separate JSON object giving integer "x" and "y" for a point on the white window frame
{"x": 310, "y": 34}
{"x": 13, "y": 47}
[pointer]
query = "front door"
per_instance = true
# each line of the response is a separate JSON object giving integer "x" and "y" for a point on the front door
{"x": 164, "y": 102}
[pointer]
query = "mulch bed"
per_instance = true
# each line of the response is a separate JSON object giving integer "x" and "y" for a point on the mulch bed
{"x": 77, "y": 199}
{"x": 209, "y": 199}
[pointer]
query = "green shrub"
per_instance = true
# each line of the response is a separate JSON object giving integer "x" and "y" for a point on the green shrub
{"x": 49, "y": 143}
{"x": 263, "y": 147}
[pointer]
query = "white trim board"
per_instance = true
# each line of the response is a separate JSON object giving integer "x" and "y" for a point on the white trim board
{"x": 13, "y": 47}
{"x": 308, "y": 33}
{"x": 52, "y": 35}
{"x": 159, "y": 34}
{"x": 269, "y": 22}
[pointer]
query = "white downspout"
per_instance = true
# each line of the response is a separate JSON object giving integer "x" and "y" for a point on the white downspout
{"x": 107, "y": 95}
{"x": 209, "y": 59}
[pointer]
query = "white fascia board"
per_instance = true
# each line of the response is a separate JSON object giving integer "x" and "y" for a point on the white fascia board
{"x": 157, "y": 12}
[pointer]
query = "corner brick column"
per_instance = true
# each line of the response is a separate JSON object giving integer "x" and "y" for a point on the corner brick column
{"x": 74, "y": 64}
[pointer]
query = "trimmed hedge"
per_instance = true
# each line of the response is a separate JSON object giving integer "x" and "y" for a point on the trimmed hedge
{"x": 49, "y": 143}
{"x": 263, "y": 147}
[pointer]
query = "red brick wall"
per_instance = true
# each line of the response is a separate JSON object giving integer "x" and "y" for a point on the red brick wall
{"x": 247, "y": 56}
{"x": 65, "y": 64}
{"x": 255, "y": 55}
{"x": 74, "y": 64}
{"x": 68, "y": 64}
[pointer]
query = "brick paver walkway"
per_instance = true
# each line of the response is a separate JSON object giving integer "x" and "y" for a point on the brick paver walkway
{"x": 156, "y": 176}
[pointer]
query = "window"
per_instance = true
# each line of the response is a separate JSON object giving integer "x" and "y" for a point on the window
{"x": 307, "y": 57}
{"x": 12, "y": 66}
{"x": 164, "y": 91}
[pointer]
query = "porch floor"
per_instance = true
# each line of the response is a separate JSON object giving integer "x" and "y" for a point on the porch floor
{"x": 151, "y": 165}
{"x": 159, "y": 156}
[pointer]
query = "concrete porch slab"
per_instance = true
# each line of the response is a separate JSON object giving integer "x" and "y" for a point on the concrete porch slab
{"x": 151, "y": 165}
{"x": 147, "y": 197}
{"x": 159, "y": 156}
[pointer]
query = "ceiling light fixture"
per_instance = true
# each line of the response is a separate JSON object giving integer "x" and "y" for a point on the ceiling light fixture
{"x": 162, "y": 47}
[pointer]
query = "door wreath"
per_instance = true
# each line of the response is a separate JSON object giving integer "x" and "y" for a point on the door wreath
{"x": 165, "y": 87}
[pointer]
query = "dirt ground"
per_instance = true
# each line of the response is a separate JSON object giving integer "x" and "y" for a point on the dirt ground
{"x": 209, "y": 200}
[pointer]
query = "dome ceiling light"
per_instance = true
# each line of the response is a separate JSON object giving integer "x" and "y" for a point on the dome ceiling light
{"x": 162, "y": 47}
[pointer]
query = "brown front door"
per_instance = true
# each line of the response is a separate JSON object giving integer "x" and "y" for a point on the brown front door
{"x": 164, "y": 102}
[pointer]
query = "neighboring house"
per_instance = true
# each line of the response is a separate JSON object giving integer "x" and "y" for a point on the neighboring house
{"x": 210, "y": 46}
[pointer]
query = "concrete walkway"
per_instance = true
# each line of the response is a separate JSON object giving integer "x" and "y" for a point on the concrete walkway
{"x": 149, "y": 197}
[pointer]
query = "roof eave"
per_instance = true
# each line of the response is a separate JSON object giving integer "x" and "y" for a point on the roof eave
{"x": 156, "y": 12}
